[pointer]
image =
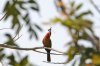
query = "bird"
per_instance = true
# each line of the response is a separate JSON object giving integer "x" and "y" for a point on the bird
{"x": 47, "y": 43}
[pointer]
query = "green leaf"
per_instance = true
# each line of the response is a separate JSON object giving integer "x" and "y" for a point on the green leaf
{"x": 15, "y": 21}
{"x": 38, "y": 27}
{"x": 32, "y": 32}
{"x": 68, "y": 23}
{"x": 82, "y": 61}
{"x": 34, "y": 8}
{"x": 72, "y": 12}
{"x": 24, "y": 61}
{"x": 10, "y": 40}
{"x": 84, "y": 14}
{"x": 26, "y": 19}
{"x": 6, "y": 6}
{"x": 72, "y": 4}
{"x": 26, "y": 16}
{"x": 12, "y": 59}
{"x": 32, "y": 1}
{"x": 6, "y": 10}
{"x": 71, "y": 53}
{"x": 88, "y": 52}
{"x": 79, "y": 6}
{"x": 22, "y": 7}
{"x": 12, "y": 10}
{"x": 56, "y": 20}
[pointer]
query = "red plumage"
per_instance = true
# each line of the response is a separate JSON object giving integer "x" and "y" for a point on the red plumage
{"x": 47, "y": 43}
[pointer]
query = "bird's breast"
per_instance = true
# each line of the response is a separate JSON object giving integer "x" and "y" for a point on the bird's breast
{"x": 47, "y": 42}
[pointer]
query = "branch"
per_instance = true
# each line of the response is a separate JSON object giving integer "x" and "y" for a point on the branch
{"x": 95, "y": 6}
{"x": 5, "y": 28}
{"x": 15, "y": 35}
{"x": 55, "y": 62}
{"x": 18, "y": 34}
{"x": 3, "y": 16}
{"x": 33, "y": 49}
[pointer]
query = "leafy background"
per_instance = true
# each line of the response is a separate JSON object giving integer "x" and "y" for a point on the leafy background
{"x": 78, "y": 26}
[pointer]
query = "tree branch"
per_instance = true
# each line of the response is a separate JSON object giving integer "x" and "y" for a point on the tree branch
{"x": 95, "y": 6}
{"x": 3, "y": 16}
{"x": 33, "y": 49}
{"x": 55, "y": 62}
{"x": 5, "y": 28}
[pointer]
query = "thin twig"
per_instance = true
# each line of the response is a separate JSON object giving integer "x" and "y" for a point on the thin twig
{"x": 3, "y": 16}
{"x": 5, "y": 28}
{"x": 33, "y": 49}
{"x": 50, "y": 53}
{"x": 18, "y": 38}
{"x": 55, "y": 62}
{"x": 95, "y": 6}
{"x": 17, "y": 34}
{"x": 14, "y": 36}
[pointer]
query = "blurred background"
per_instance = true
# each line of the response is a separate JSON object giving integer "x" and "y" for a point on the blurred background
{"x": 75, "y": 31}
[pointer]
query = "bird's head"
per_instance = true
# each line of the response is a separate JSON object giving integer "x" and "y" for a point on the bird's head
{"x": 49, "y": 30}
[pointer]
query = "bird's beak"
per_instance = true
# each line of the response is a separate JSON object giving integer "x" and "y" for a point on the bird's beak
{"x": 49, "y": 30}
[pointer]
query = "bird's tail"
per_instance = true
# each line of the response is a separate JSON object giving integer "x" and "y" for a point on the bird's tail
{"x": 48, "y": 57}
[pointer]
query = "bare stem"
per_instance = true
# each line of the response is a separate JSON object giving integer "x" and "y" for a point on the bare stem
{"x": 33, "y": 49}
{"x": 55, "y": 62}
{"x": 3, "y": 16}
{"x": 5, "y": 28}
{"x": 95, "y": 6}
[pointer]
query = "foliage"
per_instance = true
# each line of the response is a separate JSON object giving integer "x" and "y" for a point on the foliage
{"x": 23, "y": 61}
{"x": 15, "y": 9}
{"x": 80, "y": 29}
